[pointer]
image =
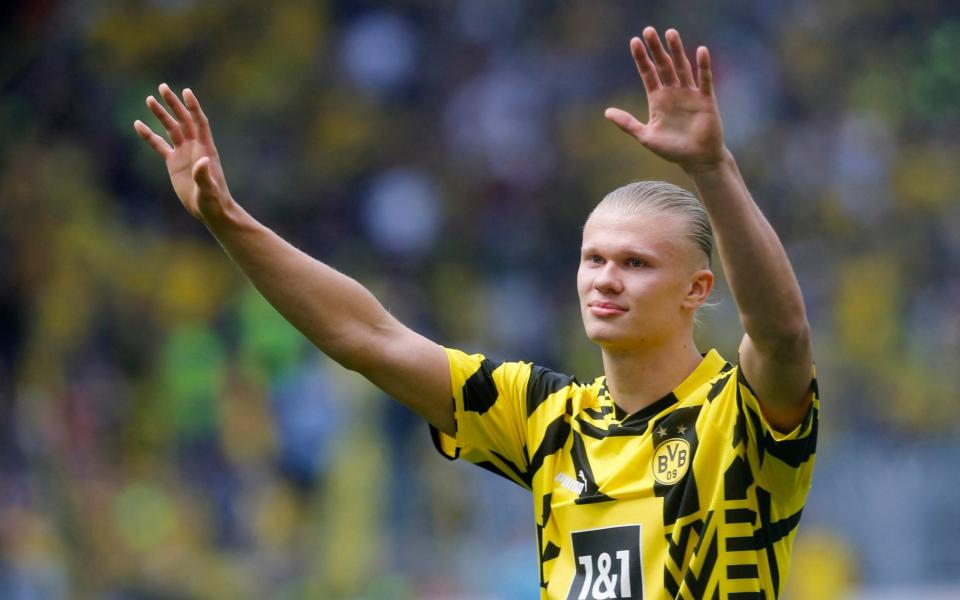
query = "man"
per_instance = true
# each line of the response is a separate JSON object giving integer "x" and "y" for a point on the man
{"x": 675, "y": 474}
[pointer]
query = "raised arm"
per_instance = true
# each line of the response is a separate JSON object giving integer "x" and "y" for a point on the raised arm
{"x": 337, "y": 314}
{"x": 684, "y": 127}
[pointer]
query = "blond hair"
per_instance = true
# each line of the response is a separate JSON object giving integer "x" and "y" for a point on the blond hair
{"x": 663, "y": 197}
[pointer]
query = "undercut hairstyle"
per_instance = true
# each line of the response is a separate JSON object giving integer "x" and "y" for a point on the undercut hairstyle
{"x": 663, "y": 197}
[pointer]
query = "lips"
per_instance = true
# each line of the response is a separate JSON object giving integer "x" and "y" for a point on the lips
{"x": 606, "y": 309}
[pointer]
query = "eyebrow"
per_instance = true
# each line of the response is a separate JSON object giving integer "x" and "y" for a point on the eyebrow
{"x": 629, "y": 251}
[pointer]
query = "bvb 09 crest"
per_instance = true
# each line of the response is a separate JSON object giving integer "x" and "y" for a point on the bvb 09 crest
{"x": 671, "y": 460}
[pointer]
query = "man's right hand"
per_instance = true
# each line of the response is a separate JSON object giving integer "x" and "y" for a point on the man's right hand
{"x": 192, "y": 160}
{"x": 340, "y": 316}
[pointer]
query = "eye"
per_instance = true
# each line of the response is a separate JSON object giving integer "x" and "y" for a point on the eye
{"x": 637, "y": 263}
{"x": 594, "y": 259}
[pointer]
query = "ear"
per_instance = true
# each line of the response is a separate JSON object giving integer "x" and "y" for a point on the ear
{"x": 701, "y": 284}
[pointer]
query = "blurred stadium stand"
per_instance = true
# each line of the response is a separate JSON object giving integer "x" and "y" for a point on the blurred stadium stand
{"x": 164, "y": 434}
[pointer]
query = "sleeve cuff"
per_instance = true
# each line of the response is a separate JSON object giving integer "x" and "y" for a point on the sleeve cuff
{"x": 445, "y": 445}
{"x": 797, "y": 432}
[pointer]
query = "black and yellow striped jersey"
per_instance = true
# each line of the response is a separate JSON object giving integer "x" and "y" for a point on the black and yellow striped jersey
{"x": 695, "y": 496}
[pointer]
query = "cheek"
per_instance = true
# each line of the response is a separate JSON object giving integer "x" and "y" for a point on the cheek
{"x": 656, "y": 290}
{"x": 583, "y": 282}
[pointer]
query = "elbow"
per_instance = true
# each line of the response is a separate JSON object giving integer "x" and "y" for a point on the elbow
{"x": 787, "y": 340}
{"x": 348, "y": 361}
{"x": 360, "y": 348}
{"x": 348, "y": 347}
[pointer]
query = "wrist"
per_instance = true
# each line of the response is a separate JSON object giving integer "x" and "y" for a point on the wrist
{"x": 224, "y": 214}
{"x": 723, "y": 162}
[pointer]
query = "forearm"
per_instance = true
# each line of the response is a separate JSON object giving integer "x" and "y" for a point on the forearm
{"x": 332, "y": 310}
{"x": 756, "y": 266}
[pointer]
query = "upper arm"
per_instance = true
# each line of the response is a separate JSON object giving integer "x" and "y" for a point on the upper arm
{"x": 410, "y": 368}
{"x": 780, "y": 373}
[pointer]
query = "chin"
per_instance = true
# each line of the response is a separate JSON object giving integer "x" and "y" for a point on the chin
{"x": 611, "y": 336}
{"x": 605, "y": 336}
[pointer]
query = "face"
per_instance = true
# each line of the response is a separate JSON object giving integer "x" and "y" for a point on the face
{"x": 641, "y": 278}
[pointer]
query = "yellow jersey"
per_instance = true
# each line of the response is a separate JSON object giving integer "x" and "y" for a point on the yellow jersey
{"x": 695, "y": 496}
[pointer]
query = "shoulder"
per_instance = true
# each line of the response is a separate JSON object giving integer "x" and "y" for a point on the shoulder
{"x": 733, "y": 402}
{"x": 482, "y": 380}
{"x": 545, "y": 384}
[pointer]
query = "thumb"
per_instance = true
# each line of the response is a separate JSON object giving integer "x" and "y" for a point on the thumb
{"x": 626, "y": 122}
{"x": 203, "y": 178}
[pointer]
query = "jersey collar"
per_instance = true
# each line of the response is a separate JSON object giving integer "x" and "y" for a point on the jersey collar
{"x": 711, "y": 365}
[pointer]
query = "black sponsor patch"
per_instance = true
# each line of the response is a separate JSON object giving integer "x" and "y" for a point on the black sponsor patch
{"x": 607, "y": 563}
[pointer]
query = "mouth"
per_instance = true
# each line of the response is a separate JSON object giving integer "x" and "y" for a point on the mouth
{"x": 605, "y": 309}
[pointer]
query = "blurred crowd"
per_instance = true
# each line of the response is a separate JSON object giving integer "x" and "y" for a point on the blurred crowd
{"x": 165, "y": 434}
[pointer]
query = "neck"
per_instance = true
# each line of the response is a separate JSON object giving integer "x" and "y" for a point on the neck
{"x": 636, "y": 378}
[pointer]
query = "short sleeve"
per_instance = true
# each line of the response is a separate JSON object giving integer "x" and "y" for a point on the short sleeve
{"x": 489, "y": 402}
{"x": 784, "y": 461}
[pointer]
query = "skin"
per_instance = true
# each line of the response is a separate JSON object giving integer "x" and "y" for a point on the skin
{"x": 647, "y": 343}
{"x": 640, "y": 281}
{"x": 335, "y": 312}
{"x": 684, "y": 127}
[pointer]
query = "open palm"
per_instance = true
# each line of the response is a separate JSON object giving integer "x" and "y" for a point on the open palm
{"x": 684, "y": 124}
{"x": 192, "y": 160}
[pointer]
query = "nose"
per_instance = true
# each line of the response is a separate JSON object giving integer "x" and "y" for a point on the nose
{"x": 608, "y": 279}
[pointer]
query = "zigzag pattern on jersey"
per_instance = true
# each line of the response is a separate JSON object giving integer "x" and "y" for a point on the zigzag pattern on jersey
{"x": 738, "y": 484}
{"x": 551, "y": 551}
{"x": 542, "y": 385}
{"x": 688, "y": 543}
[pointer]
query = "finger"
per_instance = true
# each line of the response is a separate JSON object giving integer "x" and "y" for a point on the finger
{"x": 680, "y": 61}
{"x": 156, "y": 142}
{"x": 648, "y": 73}
{"x": 183, "y": 115}
{"x": 625, "y": 121}
{"x": 169, "y": 123}
{"x": 200, "y": 122}
{"x": 203, "y": 178}
{"x": 661, "y": 59}
{"x": 704, "y": 71}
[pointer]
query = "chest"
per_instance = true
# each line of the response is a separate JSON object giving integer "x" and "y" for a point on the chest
{"x": 624, "y": 461}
